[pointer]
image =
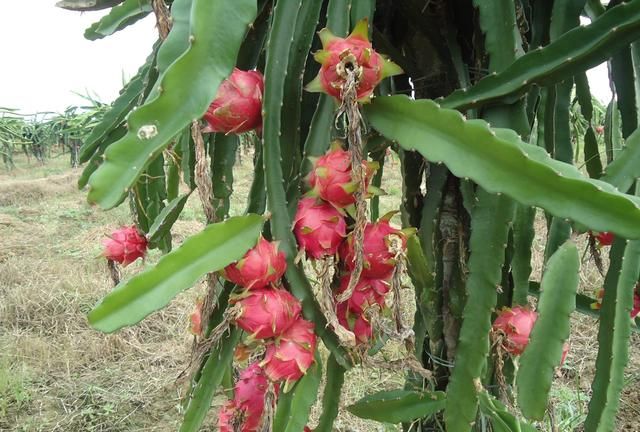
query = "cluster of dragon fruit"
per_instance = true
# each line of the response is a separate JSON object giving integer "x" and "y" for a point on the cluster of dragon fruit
{"x": 271, "y": 316}
{"x": 281, "y": 342}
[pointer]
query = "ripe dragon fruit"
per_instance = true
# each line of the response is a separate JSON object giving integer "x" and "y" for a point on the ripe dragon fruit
{"x": 319, "y": 228}
{"x": 339, "y": 55}
{"x": 367, "y": 293}
{"x": 249, "y": 394}
{"x": 605, "y": 238}
{"x": 289, "y": 357}
{"x": 356, "y": 322}
{"x": 331, "y": 178}
{"x": 196, "y": 319}
{"x": 227, "y": 417}
{"x": 125, "y": 245}
{"x": 515, "y": 324}
{"x": 237, "y": 107}
{"x": 244, "y": 412}
{"x": 261, "y": 266}
{"x": 266, "y": 313}
{"x": 635, "y": 310}
{"x": 379, "y": 259}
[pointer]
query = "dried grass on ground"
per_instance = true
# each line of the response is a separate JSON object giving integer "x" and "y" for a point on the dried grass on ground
{"x": 57, "y": 374}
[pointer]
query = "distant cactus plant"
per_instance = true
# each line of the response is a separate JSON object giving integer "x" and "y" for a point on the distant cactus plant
{"x": 475, "y": 98}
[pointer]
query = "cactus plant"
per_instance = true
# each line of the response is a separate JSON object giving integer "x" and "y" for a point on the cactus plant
{"x": 474, "y": 97}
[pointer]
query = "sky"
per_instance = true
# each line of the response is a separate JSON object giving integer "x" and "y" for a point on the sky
{"x": 46, "y": 58}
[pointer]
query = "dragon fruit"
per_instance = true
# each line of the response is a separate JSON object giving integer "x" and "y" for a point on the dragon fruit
{"x": 379, "y": 259}
{"x": 331, "y": 178}
{"x": 318, "y": 227}
{"x": 196, "y": 319}
{"x": 290, "y": 355}
{"x": 515, "y": 324}
{"x": 237, "y": 107}
{"x": 605, "y": 238}
{"x": 635, "y": 311}
{"x": 227, "y": 417}
{"x": 261, "y": 266}
{"x": 354, "y": 321}
{"x": 125, "y": 245}
{"x": 266, "y": 313}
{"x": 355, "y": 53}
{"x": 249, "y": 394}
{"x": 367, "y": 293}
{"x": 244, "y": 412}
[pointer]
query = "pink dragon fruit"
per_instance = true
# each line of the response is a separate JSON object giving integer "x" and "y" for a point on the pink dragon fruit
{"x": 515, "y": 324}
{"x": 289, "y": 357}
{"x": 237, "y": 107}
{"x": 356, "y": 322}
{"x": 249, "y": 394}
{"x": 266, "y": 313}
{"x": 331, "y": 178}
{"x": 379, "y": 259}
{"x": 125, "y": 245}
{"x": 244, "y": 412}
{"x": 605, "y": 238}
{"x": 635, "y": 311}
{"x": 227, "y": 417}
{"x": 196, "y": 319}
{"x": 261, "y": 266}
{"x": 368, "y": 292}
{"x": 339, "y": 55}
{"x": 318, "y": 227}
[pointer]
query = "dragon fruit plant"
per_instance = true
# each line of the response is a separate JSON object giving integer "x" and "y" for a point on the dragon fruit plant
{"x": 308, "y": 282}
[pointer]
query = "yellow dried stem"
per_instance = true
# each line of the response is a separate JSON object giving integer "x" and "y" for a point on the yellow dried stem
{"x": 163, "y": 19}
{"x": 114, "y": 271}
{"x": 350, "y": 108}
{"x": 324, "y": 295}
{"x": 266, "y": 423}
{"x": 203, "y": 172}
